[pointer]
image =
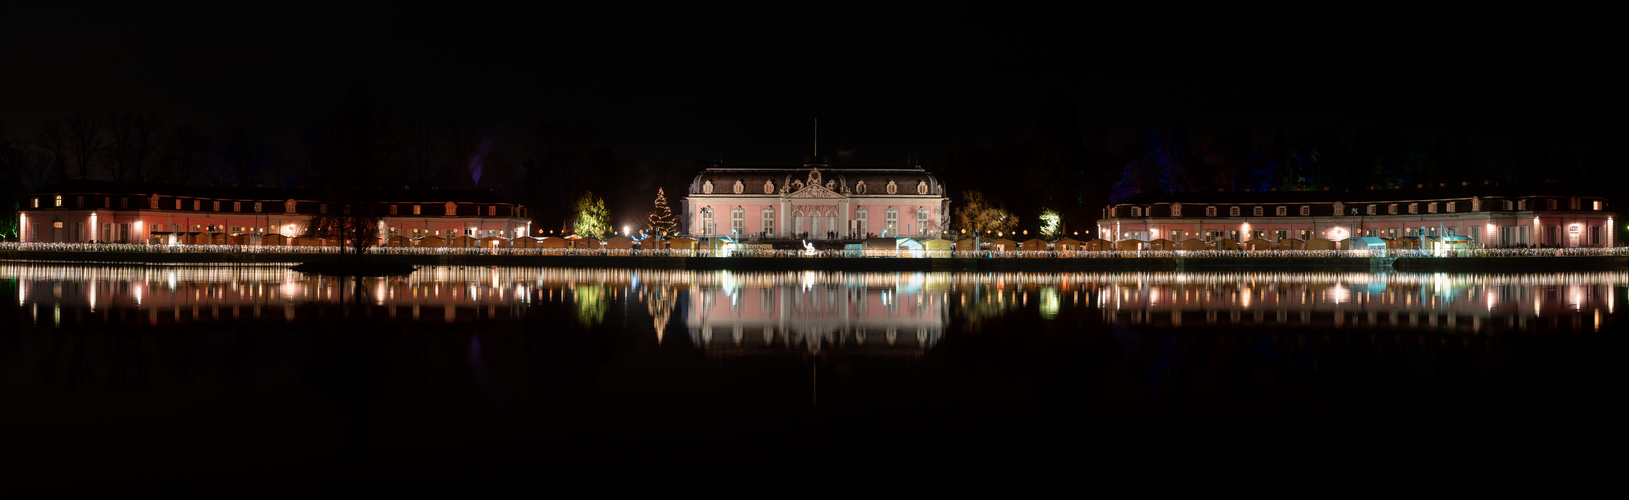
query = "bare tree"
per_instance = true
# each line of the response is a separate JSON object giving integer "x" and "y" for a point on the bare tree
{"x": 53, "y": 138}
{"x": 134, "y": 139}
{"x": 184, "y": 152}
{"x": 354, "y": 225}
{"x": 84, "y": 142}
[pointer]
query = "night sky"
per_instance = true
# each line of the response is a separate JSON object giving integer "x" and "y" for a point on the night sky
{"x": 695, "y": 83}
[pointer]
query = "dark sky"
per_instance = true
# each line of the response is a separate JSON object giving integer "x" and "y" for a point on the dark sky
{"x": 684, "y": 84}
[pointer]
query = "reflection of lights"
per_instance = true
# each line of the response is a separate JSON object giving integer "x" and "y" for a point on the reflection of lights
{"x": 1341, "y": 294}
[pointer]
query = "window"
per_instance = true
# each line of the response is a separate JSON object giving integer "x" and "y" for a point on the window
{"x": 215, "y": 206}
{"x": 921, "y": 187}
{"x": 1176, "y": 209}
{"x": 1257, "y": 211}
{"x": 36, "y": 203}
{"x": 1233, "y": 211}
{"x": 197, "y": 204}
{"x": 416, "y": 210}
{"x": 491, "y": 210}
{"x": 1450, "y": 205}
{"x": 738, "y": 188}
{"x": 769, "y": 220}
{"x": 257, "y": 207}
{"x": 1549, "y": 204}
{"x": 323, "y": 208}
{"x": 707, "y": 187}
{"x": 769, "y": 187}
{"x": 859, "y": 187}
{"x": 1283, "y": 211}
{"x": 1136, "y": 211}
{"x": 393, "y": 210}
{"x": 860, "y": 220}
{"x": 921, "y": 221}
{"x": 893, "y": 188}
{"x": 1371, "y": 210}
{"x": 1210, "y": 211}
{"x": 237, "y": 206}
{"x": 1431, "y": 207}
{"x": 79, "y": 201}
{"x": 1391, "y": 209}
{"x": 1521, "y": 204}
{"x": 1414, "y": 208}
{"x": 1509, "y": 205}
{"x": 59, "y": 201}
{"x": 738, "y": 221}
{"x": 890, "y": 222}
{"x": 707, "y": 220}
{"x": 124, "y": 202}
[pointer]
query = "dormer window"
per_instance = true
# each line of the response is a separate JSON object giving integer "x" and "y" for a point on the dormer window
{"x": 1256, "y": 211}
{"x": 1596, "y": 204}
{"x": 1371, "y": 210}
{"x": 59, "y": 200}
{"x": 1176, "y": 209}
{"x": 1282, "y": 211}
{"x": 1136, "y": 212}
{"x": 1210, "y": 211}
{"x": 1414, "y": 208}
{"x": 1233, "y": 211}
{"x": 1431, "y": 207}
{"x": 1391, "y": 209}
{"x": 1306, "y": 210}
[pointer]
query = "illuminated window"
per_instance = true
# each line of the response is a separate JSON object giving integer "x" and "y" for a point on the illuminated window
{"x": 177, "y": 204}
{"x": 36, "y": 203}
{"x": 890, "y": 221}
{"x": 415, "y": 210}
{"x": 1431, "y": 208}
{"x": 59, "y": 200}
{"x": 1414, "y": 208}
{"x": 922, "y": 221}
{"x": 706, "y": 220}
{"x": 1596, "y": 204}
{"x": 1450, "y": 205}
{"x": 393, "y": 210}
{"x": 1521, "y": 204}
{"x": 768, "y": 216}
{"x": 860, "y": 216}
{"x": 491, "y": 210}
{"x": 738, "y": 220}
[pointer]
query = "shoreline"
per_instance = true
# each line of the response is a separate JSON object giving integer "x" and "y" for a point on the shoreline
{"x": 1447, "y": 264}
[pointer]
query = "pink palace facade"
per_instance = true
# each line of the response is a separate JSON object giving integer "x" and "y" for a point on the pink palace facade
{"x": 822, "y": 202}
{"x": 1495, "y": 216}
{"x": 83, "y": 211}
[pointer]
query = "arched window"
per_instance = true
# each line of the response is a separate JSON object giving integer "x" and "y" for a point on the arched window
{"x": 922, "y": 220}
{"x": 769, "y": 187}
{"x": 706, "y": 220}
{"x": 1176, "y": 209}
{"x": 769, "y": 221}
{"x": 890, "y": 220}
{"x": 921, "y": 187}
{"x": 739, "y": 188}
{"x": 738, "y": 221}
{"x": 893, "y": 188}
{"x": 859, "y": 187}
{"x": 707, "y": 187}
{"x": 59, "y": 200}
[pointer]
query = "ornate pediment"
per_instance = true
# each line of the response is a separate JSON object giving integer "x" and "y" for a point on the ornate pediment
{"x": 815, "y": 191}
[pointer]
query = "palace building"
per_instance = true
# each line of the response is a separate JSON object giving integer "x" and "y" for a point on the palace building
{"x": 1495, "y": 216}
{"x": 83, "y": 211}
{"x": 815, "y": 200}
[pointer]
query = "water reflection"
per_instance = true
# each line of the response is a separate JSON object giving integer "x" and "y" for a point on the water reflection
{"x": 735, "y": 313}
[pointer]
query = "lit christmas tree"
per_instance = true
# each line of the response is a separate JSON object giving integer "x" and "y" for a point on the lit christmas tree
{"x": 661, "y": 221}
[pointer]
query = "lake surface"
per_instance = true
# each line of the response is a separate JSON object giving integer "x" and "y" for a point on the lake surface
{"x": 540, "y": 376}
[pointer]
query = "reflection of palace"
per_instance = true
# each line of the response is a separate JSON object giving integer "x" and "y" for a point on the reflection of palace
{"x": 1459, "y": 303}
{"x": 875, "y": 314}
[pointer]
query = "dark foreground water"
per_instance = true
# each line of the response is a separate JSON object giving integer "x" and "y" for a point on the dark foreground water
{"x": 453, "y": 381}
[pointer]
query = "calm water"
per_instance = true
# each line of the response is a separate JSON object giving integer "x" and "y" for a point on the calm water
{"x": 532, "y": 376}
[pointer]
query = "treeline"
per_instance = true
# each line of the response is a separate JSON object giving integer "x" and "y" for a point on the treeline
{"x": 359, "y": 146}
{"x": 1057, "y": 165}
